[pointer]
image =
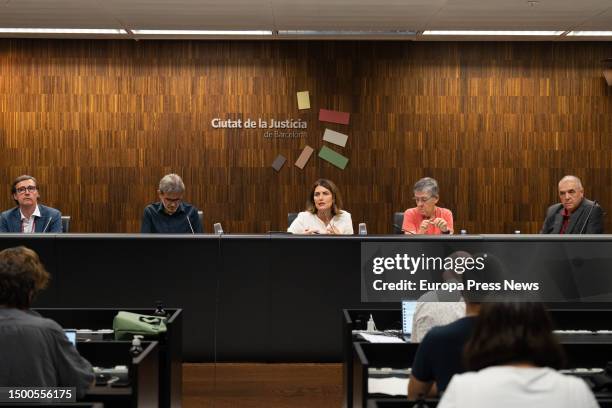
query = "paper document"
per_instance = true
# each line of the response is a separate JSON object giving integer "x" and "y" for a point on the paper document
{"x": 380, "y": 338}
{"x": 388, "y": 386}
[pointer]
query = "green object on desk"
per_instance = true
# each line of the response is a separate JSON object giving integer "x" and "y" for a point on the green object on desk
{"x": 127, "y": 324}
{"x": 333, "y": 157}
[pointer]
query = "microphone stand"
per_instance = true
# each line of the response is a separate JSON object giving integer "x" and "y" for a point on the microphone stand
{"x": 588, "y": 216}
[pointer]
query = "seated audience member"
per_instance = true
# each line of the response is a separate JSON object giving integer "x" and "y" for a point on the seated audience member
{"x": 575, "y": 214}
{"x": 438, "y": 308}
{"x": 324, "y": 213}
{"x": 35, "y": 350}
{"x": 515, "y": 352}
{"x": 439, "y": 355}
{"x": 29, "y": 216}
{"x": 171, "y": 215}
{"x": 426, "y": 218}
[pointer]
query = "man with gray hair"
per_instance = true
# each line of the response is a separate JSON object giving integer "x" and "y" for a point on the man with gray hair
{"x": 426, "y": 218}
{"x": 575, "y": 214}
{"x": 171, "y": 215}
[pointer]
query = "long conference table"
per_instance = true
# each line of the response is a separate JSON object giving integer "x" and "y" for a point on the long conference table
{"x": 268, "y": 297}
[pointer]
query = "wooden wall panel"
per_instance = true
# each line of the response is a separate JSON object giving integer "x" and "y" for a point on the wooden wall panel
{"x": 99, "y": 122}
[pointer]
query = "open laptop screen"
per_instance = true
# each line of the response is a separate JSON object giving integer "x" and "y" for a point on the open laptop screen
{"x": 408, "y": 307}
{"x": 71, "y": 336}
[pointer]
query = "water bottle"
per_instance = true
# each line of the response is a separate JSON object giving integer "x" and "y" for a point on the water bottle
{"x": 371, "y": 327}
{"x": 463, "y": 232}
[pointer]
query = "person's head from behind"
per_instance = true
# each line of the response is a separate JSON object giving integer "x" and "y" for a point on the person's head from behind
{"x": 171, "y": 189}
{"x": 22, "y": 276}
{"x": 324, "y": 197}
{"x": 426, "y": 195}
{"x": 24, "y": 191}
{"x": 509, "y": 333}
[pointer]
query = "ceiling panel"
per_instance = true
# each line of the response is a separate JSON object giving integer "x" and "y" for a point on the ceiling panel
{"x": 337, "y": 15}
{"x": 384, "y": 15}
{"x": 55, "y": 14}
{"x": 514, "y": 15}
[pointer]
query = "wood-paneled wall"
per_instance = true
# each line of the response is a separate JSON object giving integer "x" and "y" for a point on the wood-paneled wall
{"x": 99, "y": 122}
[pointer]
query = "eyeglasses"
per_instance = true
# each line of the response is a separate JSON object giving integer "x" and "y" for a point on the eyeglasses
{"x": 421, "y": 199}
{"x": 29, "y": 189}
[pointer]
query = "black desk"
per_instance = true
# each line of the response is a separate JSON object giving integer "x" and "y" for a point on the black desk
{"x": 563, "y": 319}
{"x": 271, "y": 298}
{"x": 170, "y": 343}
{"x": 143, "y": 371}
{"x": 580, "y": 354}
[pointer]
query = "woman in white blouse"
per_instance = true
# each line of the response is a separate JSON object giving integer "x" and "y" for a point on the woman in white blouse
{"x": 516, "y": 354}
{"x": 324, "y": 214}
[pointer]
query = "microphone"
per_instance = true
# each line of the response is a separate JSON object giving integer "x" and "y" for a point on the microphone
{"x": 47, "y": 226}
{"x": 588, "y": 216}
{"x": 189, "y": 221}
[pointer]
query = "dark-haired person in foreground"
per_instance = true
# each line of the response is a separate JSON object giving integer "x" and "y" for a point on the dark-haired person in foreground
{"x": 171, "y": 215}
{"x": 34, "y": 351}
{"x": 575, "y": 214}
{"x": 514, "y": 350}
{"x": 29, "y": 216}
{"x": 440, "y": 354}
{"x": 324, "y": 213}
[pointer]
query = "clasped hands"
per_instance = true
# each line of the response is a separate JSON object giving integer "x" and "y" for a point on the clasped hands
{"x": 330, "y": 229}
{"x": 438, "y": 222}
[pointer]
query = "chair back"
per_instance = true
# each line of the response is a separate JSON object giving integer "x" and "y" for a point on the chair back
{"x": 290, "y": 218}
{"x": 398, "y": 220}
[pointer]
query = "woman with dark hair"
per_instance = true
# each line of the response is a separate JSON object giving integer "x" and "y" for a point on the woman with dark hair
{"x": 515, "y": 354}
{"x": 324, "y": 214}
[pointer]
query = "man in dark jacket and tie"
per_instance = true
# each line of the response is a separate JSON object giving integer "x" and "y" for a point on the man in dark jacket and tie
{"x": 575, "y": 214}
{"x": 29, "y": 216}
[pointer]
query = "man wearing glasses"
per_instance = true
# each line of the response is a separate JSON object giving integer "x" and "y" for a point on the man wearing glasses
{"x": 171, "y": 215}
{"x": 426, "y": 218}
{"x": 29, "y": 216}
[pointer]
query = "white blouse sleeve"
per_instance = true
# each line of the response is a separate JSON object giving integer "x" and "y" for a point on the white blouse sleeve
{"x": 344, "y": 223}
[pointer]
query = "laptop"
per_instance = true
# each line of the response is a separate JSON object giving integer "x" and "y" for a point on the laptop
{"x": 71, "y": 336}
{"x": 408, "y": 308}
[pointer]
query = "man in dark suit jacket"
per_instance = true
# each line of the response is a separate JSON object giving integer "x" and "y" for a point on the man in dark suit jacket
{"x": 29, "y": 216}
{"x": 574, "y": 214}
